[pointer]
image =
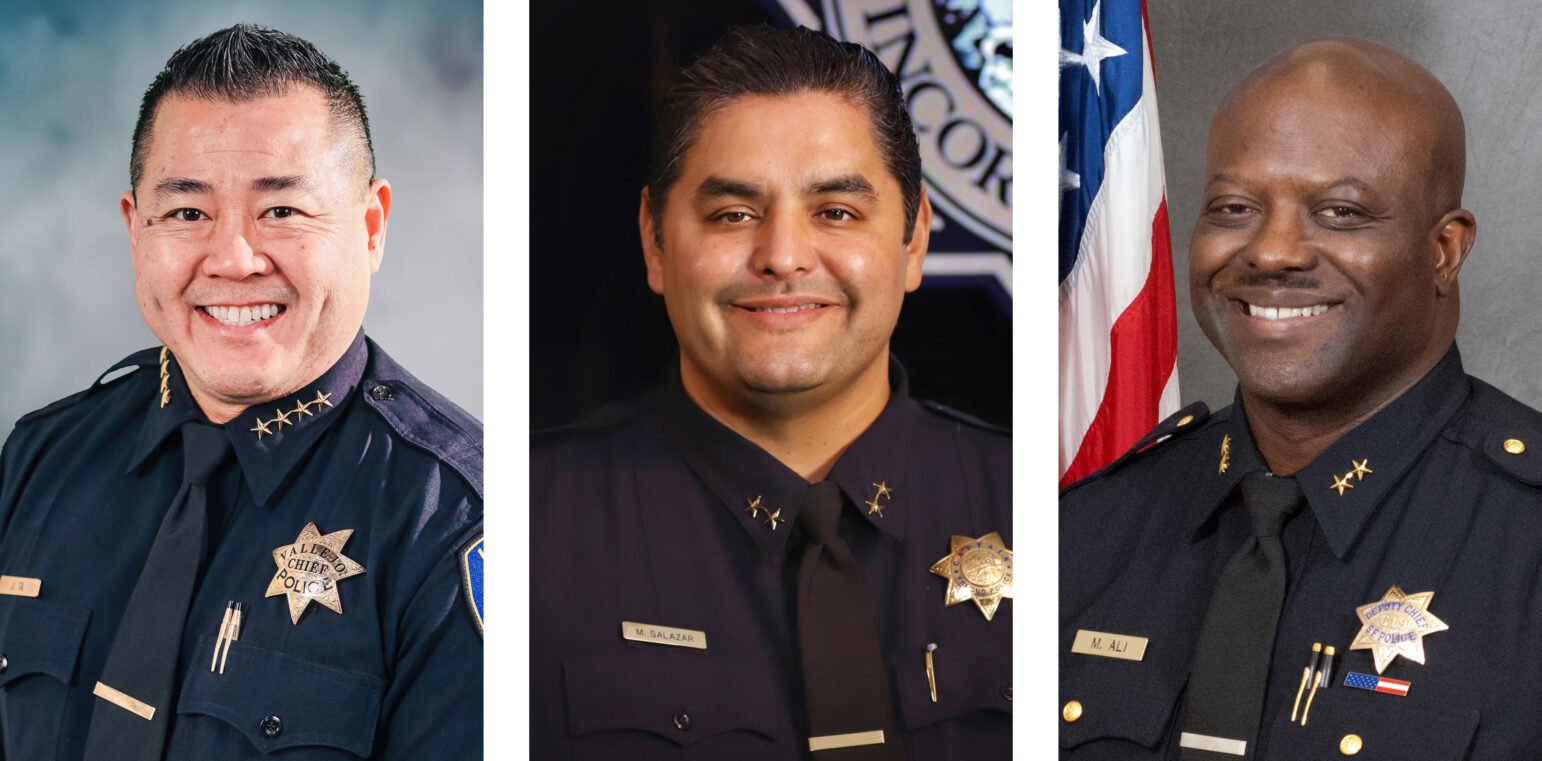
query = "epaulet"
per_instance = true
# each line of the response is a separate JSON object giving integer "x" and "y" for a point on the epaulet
{"x": 1510, "y": 435}
{"x": 423, "y": 417}
{"x": 1176, "y": 424}
{"x": 963, "y": 417}
{"x": 135, "y": 361}
{"x": 604, "y": 417}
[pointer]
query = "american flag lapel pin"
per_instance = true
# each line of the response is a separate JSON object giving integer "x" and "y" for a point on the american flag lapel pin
{"x": 1376, "y": 683}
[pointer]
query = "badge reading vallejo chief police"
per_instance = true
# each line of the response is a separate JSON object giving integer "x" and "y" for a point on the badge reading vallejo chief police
{"x": 1396, "y": 625}
{"x": 979, "y": 570}
{"x": 310, "y": 569}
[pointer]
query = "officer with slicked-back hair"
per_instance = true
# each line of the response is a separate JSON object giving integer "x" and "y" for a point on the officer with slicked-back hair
{"x": 263, "y": 538}
{"x": 1343, "y": 562}
{"x": 779, "y": 554}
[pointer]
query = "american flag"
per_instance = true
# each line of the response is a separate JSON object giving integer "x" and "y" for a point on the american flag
{"x": 1377, "y": 683}
{"x": 1118, "y": 323}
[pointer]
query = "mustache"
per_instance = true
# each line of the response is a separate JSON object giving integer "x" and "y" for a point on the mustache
{"x": 1294, "y": 280}
{"x": 742, "y": 292}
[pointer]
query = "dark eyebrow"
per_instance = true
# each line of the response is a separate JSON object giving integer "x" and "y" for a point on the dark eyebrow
{"x": 715, "y": 187}
{"x": 270, "y": 184}
{"x": 853, "y": 184}
{"x": 180, "y": 186}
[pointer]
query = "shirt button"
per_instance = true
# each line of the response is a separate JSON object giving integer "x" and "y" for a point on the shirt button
{"x": 1515, "y": 446}
{"x": 1186, "y": 420}
{"x": 4, "y": 663}
{"x": 1071, "y": 712}
{"x": 1006, "y": 692}
{"x": 271, "y": 726}
{"x": 380, "y": 393}
{"x": 682, "y": 721}
{"x": 1350, "y": 745}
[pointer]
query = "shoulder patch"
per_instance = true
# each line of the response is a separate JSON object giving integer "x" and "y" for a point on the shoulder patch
{"x": 472, "y": 561}
{"x": 963, "y": 417}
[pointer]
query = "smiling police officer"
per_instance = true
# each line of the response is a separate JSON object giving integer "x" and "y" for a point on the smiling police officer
{"x": 1344, "y": 561}
{"x": 266, "y": 535}
{"x": 779, "y": 555}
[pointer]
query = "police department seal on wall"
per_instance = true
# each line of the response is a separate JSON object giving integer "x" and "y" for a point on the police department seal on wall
{"x": 954, "y": 60}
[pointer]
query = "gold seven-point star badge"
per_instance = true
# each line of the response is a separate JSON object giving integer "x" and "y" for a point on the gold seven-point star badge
{"x": 1396, "y": 625}
{"x": 309, "y": 570}
{"x": 979, "y": 570}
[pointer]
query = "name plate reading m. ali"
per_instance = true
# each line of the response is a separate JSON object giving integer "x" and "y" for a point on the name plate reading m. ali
{"x": 20, "y": 586}
{"x": 663, "y": 635}
{"x": 1127, "y": 647}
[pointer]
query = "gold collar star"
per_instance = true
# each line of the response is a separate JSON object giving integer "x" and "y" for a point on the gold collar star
{"x": 754, "y": 508}
{"x": 1361, "y": 470}
{"x": 321, "y": 398}
{"x": 884, "y": 492}
{"x": 301, "y": 410}
{"x": 1341, "y": 484}
{"x": 874, "y": 508}
{"x": 310, "y": 569}
{"x": 282, "y": 419}
{"x": 262, "y": 429}
{"x": 1225, "y": 454}
{"x": 773, "y": 517}
{"x": 1396, "y": 625}
{"x": 978, "y": 570}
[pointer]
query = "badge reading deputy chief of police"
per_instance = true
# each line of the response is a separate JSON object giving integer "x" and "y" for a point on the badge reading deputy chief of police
{"x": 979, "y": 570}
{"x": 310, "y": 569}
{"x": 1396, "y": 625}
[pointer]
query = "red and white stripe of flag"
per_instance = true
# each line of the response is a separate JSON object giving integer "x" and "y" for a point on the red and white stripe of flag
{"x": 1118, "y": 319}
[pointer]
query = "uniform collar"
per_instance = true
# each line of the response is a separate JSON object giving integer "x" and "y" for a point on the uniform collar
{"x": 270, "y": 438}
{"x": 1386, "y": 445}
{"x": 738, "y": 472}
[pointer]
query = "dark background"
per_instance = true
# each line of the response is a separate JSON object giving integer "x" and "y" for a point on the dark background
{"x": 598, "y": 335}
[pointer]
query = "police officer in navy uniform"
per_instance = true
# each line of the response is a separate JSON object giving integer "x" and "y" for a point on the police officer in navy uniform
{"x": 779, "y": 554}
{"x": 264, "y": 537}
{"x": 1344, "y": 561}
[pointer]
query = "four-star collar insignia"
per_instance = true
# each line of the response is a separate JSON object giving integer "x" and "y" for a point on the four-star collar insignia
{"x": 310, "y": 569}
{"x": 281, "y": 416}
{"x": 978, "y": 570}
{"x": 1396, "y": 625}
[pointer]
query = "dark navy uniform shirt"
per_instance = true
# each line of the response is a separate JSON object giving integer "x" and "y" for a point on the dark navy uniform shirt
{"x": 85, "y": 483}
{"x": 643, "y": 519}
{"x": 1449, "y": 501}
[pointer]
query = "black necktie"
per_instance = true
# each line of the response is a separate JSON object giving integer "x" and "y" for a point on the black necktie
{"x": 845, "y": 680}
{"x": 134, "y": 694}
{"x": 1231, "y": 666}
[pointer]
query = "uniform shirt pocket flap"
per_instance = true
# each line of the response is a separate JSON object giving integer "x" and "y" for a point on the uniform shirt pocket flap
{"x": 1371, "y": 726}
{"x": 279, "y": 701}
{"x": 1120, "y": 700}
{"x": 677, "y": 696}
{"x": 40, "y": 637}
{"x": 966, "y": 683}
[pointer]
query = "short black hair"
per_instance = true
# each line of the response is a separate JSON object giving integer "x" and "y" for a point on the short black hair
{"x": 766, "y": 61}
{"x": 245, "y": 62}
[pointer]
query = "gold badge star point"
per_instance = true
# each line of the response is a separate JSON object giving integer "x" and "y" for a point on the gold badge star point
{"x": 977, "y": 569}
{"x": 309, "y": 570}
{"x": 1361, "y": 470}
{"x": 1396, "y": 625}
{"x": 1340, "y": 484}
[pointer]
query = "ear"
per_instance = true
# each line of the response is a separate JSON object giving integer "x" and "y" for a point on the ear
{"x": 653, "y": 253}
{"x": 1454, "y": 236}
{"x": 130, "y": 212}
{"x": 920, "y": 236}
{"x": 377, "y": 211}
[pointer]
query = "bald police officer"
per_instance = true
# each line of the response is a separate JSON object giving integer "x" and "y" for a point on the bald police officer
{"x": 780, "y": 554}
{"x": 265, "y": 536}
{"x": 1343, "y": 561}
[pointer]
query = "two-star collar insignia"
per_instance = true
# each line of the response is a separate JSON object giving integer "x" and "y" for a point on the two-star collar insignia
{"x": 1342, "y": 483}
{"x": 309, "y": 570}
{"x": 876, "y": 505}
{"x": 281, "y": 416}
{"x": 977, "y": 569}
{"x": 1396, "y": 625}
{"x": 773, "y": 516}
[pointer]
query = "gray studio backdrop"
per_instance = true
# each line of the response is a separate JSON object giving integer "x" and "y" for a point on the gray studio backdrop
{"x": 71, "y": 75}
{"x": 1487, "y": 52}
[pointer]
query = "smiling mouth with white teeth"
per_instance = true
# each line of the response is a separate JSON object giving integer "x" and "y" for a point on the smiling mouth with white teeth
{"x": 238, "y": 317}
{"x": 1281, "y": 313}
{"x": 786, "y": 310}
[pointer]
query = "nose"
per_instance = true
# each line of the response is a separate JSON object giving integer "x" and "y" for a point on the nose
{"x": 1282, "y": 243}
{"x": 784, "y": 248}
{"x": 230, "y": 253}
